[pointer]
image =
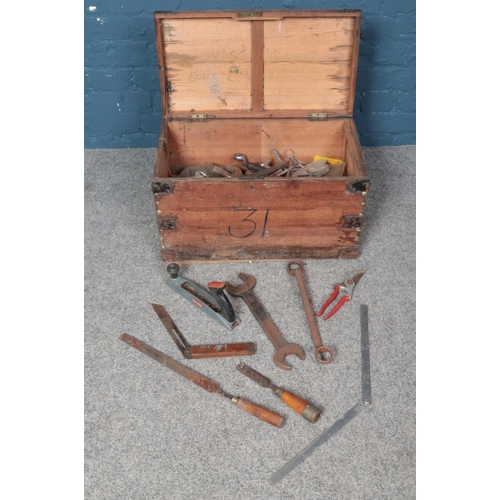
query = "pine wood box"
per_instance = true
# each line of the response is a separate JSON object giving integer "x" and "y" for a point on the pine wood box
{"x": 250, "y": 82}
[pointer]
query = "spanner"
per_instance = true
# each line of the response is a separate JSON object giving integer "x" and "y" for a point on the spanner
{"x": 321, "y": 349}
{"x": 283, "y": 348}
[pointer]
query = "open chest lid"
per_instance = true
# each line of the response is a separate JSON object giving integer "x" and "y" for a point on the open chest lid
{"x": 257, "y": 64}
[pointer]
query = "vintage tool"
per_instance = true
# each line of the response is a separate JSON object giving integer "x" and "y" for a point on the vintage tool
{"x": 353, "y": 412}
{"x": 264, "y": 173}
{"x": 283, "y": 348}
{"x": 216, "y": 304}
{"x": 316, "y": 168}
{"x": 307, "y": 410}
{"x": 336, "y": 170}
{"x": 323, "y": 354}
{"x": 290, "y": 154}
{"x": 366, "y": 395}
{"x": 210, "y": 170}
{"x": 344, "y": 290}
{"x": 322, "y": 438}
{"x": 278, "y": 157}
{"x": 202, "y": 381}
{"x": 233, "y": 171}
{"x": 220, "y": 171}
{"x": 201, "y": 351}
{"x": 251, "y": 166}
{"x": 227, "y": 171}
{"x": 336, "y": 167}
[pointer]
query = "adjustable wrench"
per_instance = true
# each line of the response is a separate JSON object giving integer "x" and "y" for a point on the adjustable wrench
{"x": 321, "y": 349}
{"x": 283, "y": 348}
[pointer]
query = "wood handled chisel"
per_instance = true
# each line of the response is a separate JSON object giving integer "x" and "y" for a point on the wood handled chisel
{"x": 202, "y": 381}
{"x": 302, "y": 407}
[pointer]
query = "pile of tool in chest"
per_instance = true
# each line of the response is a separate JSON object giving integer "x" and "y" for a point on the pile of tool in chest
{"x": 258, "y": 159}
{"x": 258, "y": 156}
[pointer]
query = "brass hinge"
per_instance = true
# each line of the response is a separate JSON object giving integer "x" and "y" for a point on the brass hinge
{"x": 198, "y": 118}
{"x": 316, "y": 117}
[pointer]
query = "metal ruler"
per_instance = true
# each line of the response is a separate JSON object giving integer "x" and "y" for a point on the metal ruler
{"x": 366, "y": 385}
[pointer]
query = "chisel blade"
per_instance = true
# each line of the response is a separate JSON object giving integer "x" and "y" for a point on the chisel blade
{"x": 195, "y": 377}
{"x": 255, "y": 375}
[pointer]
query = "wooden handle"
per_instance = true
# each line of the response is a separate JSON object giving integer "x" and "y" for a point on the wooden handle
{"x": 307, "y": 410}
{"x": 259, "y": 412}
{"x": 294, "y": 402}
{"x": 220, "y": 350}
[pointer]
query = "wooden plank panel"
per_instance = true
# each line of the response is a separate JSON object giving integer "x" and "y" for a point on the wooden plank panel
{"x": 208, "y": 63}
{"x": 194, "y": 256}
{"x": 263, "y": 15}
{"x": 273, "y": 221}
{"x": 306, "y": 85}
{"x": 238, "y": 113}
{"x": 210, "y": 241}
{"x": 354, "y": 64}
{"x": 206, "y": 248}
{"x": 295, "y": 39}
{"x": 218, "y": 140}
{"x": 356, "y": 166}
{"x": 161, "y": 165}
{"x": 205, "y": 87}
{"x": 307, "y": 63}
{"x": 257, "y": 66}
{"x": 277, "y": 195}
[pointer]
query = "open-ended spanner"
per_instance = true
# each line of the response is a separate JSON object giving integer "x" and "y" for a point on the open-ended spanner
{"x": 283, "y": 348}
{"x": 323, "y": 354}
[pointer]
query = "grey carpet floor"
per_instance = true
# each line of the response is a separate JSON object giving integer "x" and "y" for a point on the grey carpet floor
{"x": 150, "y": 434}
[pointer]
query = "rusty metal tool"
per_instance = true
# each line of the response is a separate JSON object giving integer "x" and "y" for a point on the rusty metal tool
{"x": 202, "y": 381}
{"x": 344, "y": 290}
{"x": 283, "y": 348}
{"x": 278, "y": 157}
{"x": 307, "y": 410}
{"x": 264, "y": 173}
{"x": 201, "y": 351}
{"x": 215, "y": 304}
{"x": 249, "y": 165}
{"x": 290, "y": 154}
{"x": 323, "y": 354}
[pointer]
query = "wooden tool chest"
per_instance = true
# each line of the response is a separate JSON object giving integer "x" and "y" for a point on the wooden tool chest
{"x": 250, "y": 82}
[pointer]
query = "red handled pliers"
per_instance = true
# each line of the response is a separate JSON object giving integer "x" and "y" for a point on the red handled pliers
{"x": 345, "y": 290}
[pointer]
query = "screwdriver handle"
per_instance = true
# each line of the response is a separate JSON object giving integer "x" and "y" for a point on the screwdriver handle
{"x": 307, "y": 410}
{"x": 259, "y": 412}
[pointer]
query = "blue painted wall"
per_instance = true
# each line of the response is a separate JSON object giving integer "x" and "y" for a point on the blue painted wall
{"x": 122, "y": 98}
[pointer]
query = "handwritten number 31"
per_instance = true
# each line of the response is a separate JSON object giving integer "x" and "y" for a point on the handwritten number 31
{"x": 251, "y": 224}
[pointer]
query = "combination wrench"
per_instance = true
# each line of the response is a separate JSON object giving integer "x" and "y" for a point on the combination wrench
{"x": 283, "y": 348}
{"x": 323, "y": 354}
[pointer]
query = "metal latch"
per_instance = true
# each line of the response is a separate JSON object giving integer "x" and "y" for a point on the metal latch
{"x": 316, "y": 117}
{"x": 198, "y": 118}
